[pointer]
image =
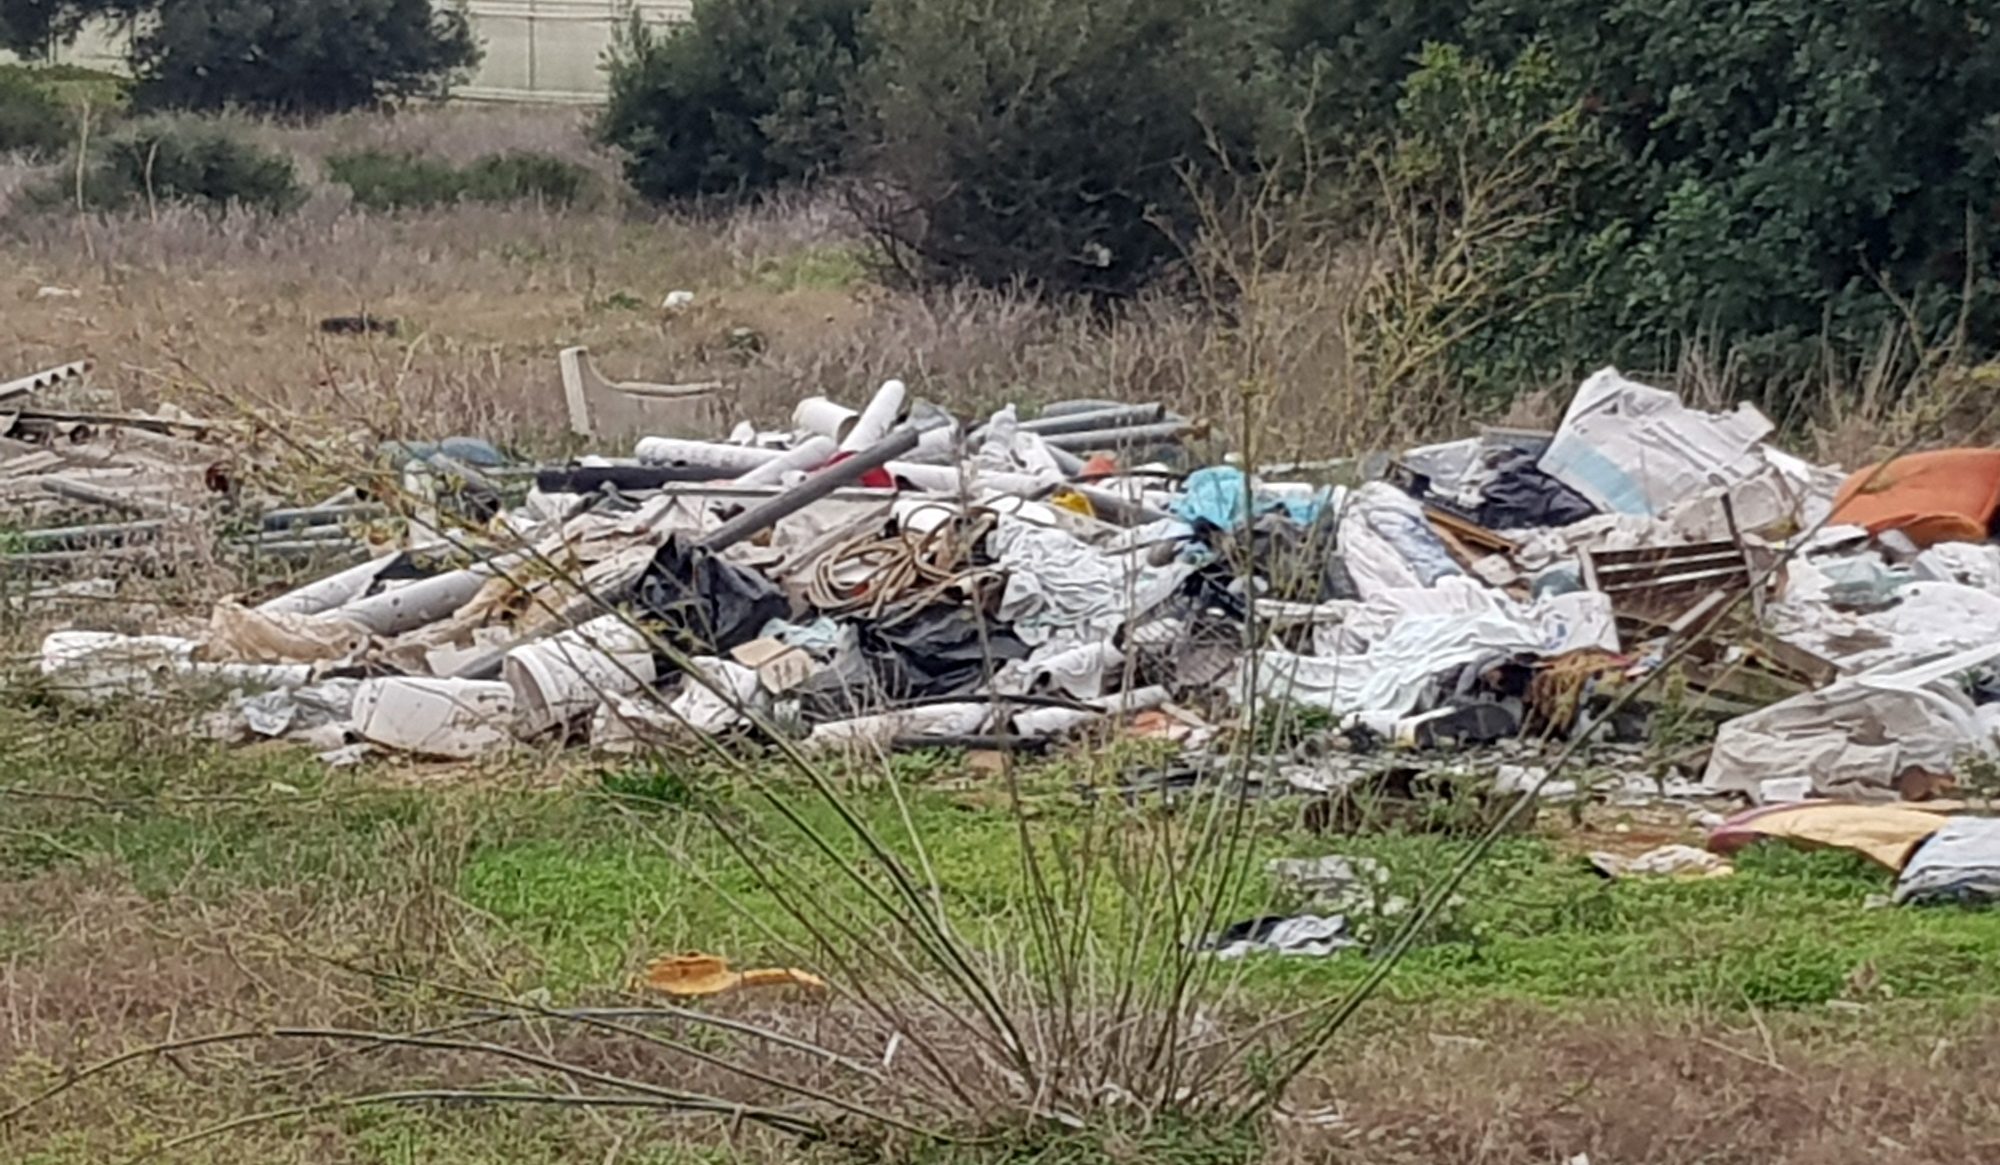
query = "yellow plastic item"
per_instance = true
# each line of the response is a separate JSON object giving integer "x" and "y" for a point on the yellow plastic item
{"x": 695, "y": 974}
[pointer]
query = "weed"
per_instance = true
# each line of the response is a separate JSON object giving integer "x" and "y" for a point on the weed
{"x": 382, "y": 180}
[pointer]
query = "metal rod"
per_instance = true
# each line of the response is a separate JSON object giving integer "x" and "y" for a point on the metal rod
{"x": 759, "y": 518}
{"x": 321, "y": 515}
{"x": 1125, "y": 417}
{"x": 1119, "y": 438}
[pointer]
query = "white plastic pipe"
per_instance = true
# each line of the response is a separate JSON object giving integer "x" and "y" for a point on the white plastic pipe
{"x": 1042, "y": 722}
{"x": 947, "y": 479}
{"x": 332, "y": 591}
{"x": 877, "y": 419}
{"x": 560, "y": 679}
{"x": 810, "y": 453}
{"x": 827, "y": 418}
{"x": 878, "y": 731}
{"x": 713, "y": 454}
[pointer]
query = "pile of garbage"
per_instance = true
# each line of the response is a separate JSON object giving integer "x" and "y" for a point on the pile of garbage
{"x": 99, "y": 492}
{"x": 894, "y": 576}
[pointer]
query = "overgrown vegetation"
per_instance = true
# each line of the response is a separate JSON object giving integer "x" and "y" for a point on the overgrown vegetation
{"x": 153, "y": 164}
{"x": 32, "y": 120}
{"x": 1741, "y": 175}
{"x": 381, "y": 180}
{"x": 750, "y": 95}
{"x": 283, "y": 56}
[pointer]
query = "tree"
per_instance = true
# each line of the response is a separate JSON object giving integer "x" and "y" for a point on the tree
{"x": 748, "y": 95}
{"x": 1764, "y": 166}
{"x": 1057, "y": 144}
{"x": 284, "y": 56}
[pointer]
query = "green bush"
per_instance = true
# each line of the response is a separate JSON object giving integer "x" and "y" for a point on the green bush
{"x": 1762, "y": 169}
{"x": 32, "y": 121}
{"x": 387, "y": 181}
{"x": 525, "y": 176}
{"x": 381, "y": 180}
{"x": 748, "y": 95}
{"x": 200, "y": 165}
{"x": 287, "y": 56}
{"x": 1053, "y": 143}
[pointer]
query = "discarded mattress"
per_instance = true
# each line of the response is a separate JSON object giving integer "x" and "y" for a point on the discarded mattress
{"x": 1946, "y": 495}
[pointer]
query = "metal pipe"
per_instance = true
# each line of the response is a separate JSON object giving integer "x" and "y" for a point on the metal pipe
{"x": 75, "y": 537}
{"x": 585, "y": 479}
{"x": 1124, "y": 417}
{"x": 321, "y": 515}
{"x": 1120, "y": 438}
{"x": 759, "y": 518}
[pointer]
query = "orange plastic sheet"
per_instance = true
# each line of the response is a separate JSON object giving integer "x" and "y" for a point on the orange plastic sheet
{"x": 1946, "y": 495}
{"x": 696, "y": 974}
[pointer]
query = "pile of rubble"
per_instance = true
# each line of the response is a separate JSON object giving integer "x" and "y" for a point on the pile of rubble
{"x": 97, "y": 491}
{"x": 894, "y": 576}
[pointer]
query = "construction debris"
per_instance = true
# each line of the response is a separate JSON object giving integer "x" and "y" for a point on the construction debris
{"x": 891, "y": 576}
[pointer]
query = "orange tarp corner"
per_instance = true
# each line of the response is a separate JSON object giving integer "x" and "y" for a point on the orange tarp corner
{"x": 1947, "y": 495}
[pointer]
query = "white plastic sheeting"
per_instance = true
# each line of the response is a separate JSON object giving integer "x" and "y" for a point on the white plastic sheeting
{"x": 94, "y": 667}
{"x": 1064, "y": 591}
{"x": 1631, "y": 449}
{"x": 1960, "y": 862}
{"x": 1854, "y": 738}
{"x": 1387, "y": 543}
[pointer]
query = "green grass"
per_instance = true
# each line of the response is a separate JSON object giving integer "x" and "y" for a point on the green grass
{"x": 565, "y": 891}
{"x": 823, "y": 268}
{"x": 591, "y": 877}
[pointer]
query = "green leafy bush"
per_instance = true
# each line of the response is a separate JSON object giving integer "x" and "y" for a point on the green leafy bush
{"x": 287, "y": 56}
{"x": 32, "y": 121}
{"x": 381, "y": 180}
{"x": 387, "y": 181}
{"x": 748, "y": 95}
{"x": 200, "y": 165}
{"x": 1053, "y": 143}
{"x": 1764, "y": 169}
{"x": 526, "y": 176}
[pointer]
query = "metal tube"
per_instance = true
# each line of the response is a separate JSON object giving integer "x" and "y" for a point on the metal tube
{"x": 1123, "y": 417}
{"x": 74, "y": 537}
{"x": 1119, "y": 438}
{"x": 759, "y": 518}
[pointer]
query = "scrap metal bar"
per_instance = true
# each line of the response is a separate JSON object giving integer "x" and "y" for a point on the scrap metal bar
{"x": 46, "y": 378}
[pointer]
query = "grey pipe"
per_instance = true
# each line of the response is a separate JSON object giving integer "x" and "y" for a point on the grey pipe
{"x": 321, "y": 515}
{"x": 1123, "y": 417}
{"x": 416, "y": 604}
{"x": 759, "y": 518}
{"x": 1070, "y": 408}
{"x": 72, "y": 537}
{"x": 1119, "y": 438}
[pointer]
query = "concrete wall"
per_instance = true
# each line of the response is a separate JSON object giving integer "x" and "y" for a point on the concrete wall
{"x": 544, "y": 51}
